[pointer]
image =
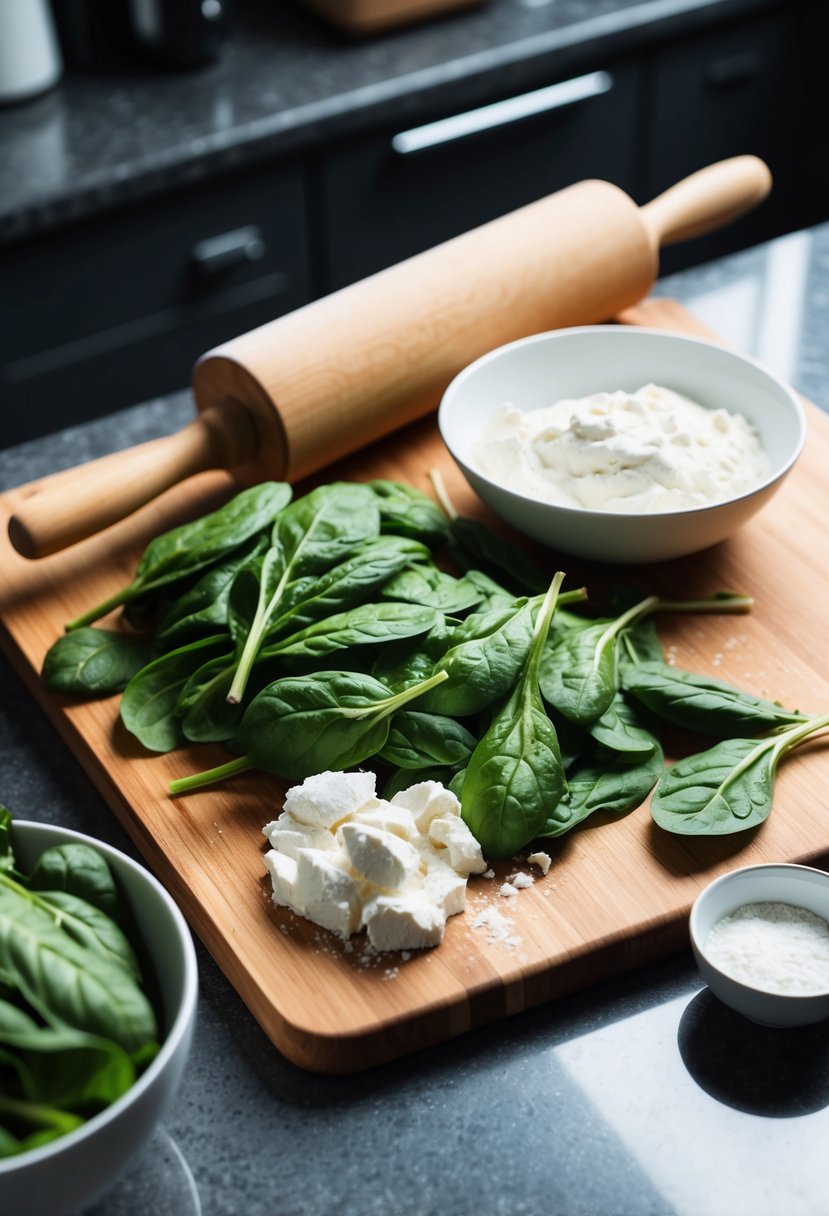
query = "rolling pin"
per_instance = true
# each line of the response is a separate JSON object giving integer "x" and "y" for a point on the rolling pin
{"x": 296, "y": 394}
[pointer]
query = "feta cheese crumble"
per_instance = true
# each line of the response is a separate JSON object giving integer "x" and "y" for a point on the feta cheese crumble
{"x": 348, "y": 860}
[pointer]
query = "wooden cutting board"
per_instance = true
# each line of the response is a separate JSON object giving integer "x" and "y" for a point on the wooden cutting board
{"x": 617, "y": 895}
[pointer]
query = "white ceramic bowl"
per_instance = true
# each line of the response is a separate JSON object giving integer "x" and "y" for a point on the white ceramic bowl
{"x": 71, "y": 1172}
{"x": 535, "y": 372}
{"x": 801, "y": 886}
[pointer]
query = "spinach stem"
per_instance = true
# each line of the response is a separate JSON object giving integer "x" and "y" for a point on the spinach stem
{"x": 253, "y": 641}
{"x": 183, "y": 785}
{"x": 442, "y": 494}
{"x": 780, "y": 742}
{"x": 713, "y": 603}
{"x": 541, "y": 629}
{"x": 390, "y": 704}
{"x": 650, "y": 604}
{"x": 39, "y": 1114}
{"x": 787, "y": 739}
{"x": 123, "y": 596}
{"x": 653, "y": 603}
{"x": 54, "y": 913}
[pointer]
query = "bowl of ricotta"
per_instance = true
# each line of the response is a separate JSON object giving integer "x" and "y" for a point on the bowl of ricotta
{"x": 760, "y": 936}
{"x": 622, "y": 444}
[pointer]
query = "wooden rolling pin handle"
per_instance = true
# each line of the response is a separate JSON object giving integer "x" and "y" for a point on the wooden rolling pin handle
{"x": 69, "y": 506}
{"x": 708, "y": 199}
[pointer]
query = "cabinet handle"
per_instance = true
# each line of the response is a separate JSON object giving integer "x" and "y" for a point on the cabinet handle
{"x": 734, "y": 69}
{"x": 499, "y": 113}
{"x": 219, "y": 253}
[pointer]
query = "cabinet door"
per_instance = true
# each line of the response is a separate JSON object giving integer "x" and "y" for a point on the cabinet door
{"x": 115, "y": 310}
{"x": 729, "y": 91}
{"x": 814, "y": 178}
{"x": 401, "y": 191}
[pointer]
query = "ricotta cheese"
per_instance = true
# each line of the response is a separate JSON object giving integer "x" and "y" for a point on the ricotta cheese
{"x": 644, "y": 452}
{"x": 348, "y": 860}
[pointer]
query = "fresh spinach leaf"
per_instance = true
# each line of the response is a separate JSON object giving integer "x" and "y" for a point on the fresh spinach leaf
{"x": 401, "y": 664}
{"x": 205, "y": 713}
{"x": 728, "y": 788}
{"x": 7, "y": 863}
{"x": 703, "y": 703}
{"x": 150, "y": 700}
{"x": 620, "y": 729}
{"x": 309, "y": 537}
{"x": 184, "y": 551}
{"x": 94, "y": 662}
{"x": 368, "y": 624}
{"x": 515, "y": 777}
{"x": 348, "y": 584}
{"x": 66, "y": 983}
{"x": 604, "y": 782}
{"x": 404, "y": 511}
{"x": 483, "y": 664}
{"x": 474, "y": 546}
{"x": 424, "y": 583}
{"x": 422, "y": 741}
{"x": 301, "y": 725}
{"x": 579, "y": 671}
{"x": 79, "y": 870}
{"x": 202, "y": 611}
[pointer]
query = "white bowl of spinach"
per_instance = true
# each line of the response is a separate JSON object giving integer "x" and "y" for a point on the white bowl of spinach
{"x": 98, "y": 990}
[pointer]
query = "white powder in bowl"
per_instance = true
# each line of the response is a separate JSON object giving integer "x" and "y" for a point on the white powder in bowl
{"x": 774, "y": 947}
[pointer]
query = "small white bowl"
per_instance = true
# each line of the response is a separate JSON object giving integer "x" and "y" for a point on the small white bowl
{"x": 68, "y": 1174}
{"x": 801, "y": 886}
{"x": 570, "y": 363}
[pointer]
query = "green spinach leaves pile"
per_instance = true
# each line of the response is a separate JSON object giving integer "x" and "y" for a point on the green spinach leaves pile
{"x": 76, "y": 1028}
{"x": 325, "y": 633}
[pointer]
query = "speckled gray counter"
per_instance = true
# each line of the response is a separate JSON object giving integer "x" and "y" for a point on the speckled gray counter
{"x": 286, "y": 81}
{"x": 640, "y": 1096}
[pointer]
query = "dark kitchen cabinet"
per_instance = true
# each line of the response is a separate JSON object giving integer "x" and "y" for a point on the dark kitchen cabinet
{"x": 116, "y": 310}
{"x": 104, "y": 313}
{"x": 399, "y": 191}
{"x": 727, "y": 91}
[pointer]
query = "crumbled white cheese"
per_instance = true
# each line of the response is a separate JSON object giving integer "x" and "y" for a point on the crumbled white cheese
{"x": 427, "y": 800}
{"x": 409, "y": 917}
{"x": 327, "y": 798}
{"x": 395, "y": 819}
{"x": 507, "y": 889}
{"x": 497, "y": 927}
{"x": 382, "y": 858}
{"x": 326, "y": 892}
{"x": 464, "y": 851}
{"x": 348, "y": 860}
{"x": 287, "y": 835}
{"x": 648, "y": 451}
{"x": 445, "y": 888}
{"x": 522, "y": 881}
{"x": 542, "y": 860}
{"x": 282, "y": 870}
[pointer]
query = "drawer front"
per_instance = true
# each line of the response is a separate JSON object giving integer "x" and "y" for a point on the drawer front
{"x": 399, "y": 192}
{"x": 118, "y": 309}
{"x": 727, "y": 92}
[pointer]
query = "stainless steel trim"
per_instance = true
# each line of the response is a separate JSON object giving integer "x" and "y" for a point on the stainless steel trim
{"x": 499, "y": 113}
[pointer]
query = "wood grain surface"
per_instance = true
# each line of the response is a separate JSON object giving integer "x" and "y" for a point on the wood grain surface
{"x": 617, "y": 895}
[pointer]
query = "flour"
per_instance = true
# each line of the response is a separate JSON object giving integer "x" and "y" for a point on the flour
{"x": 774, "y": 947}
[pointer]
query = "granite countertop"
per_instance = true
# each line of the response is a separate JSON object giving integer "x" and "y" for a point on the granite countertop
{"x": 638, "y": 1096}
{"x": 287, "y": 82}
